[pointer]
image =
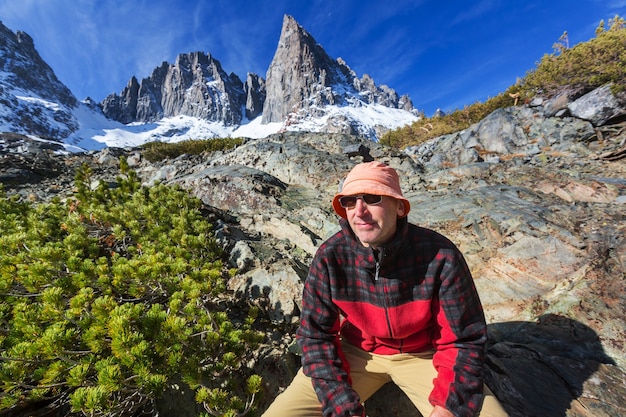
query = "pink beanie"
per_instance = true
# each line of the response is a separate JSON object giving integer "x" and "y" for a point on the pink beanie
{"x": 371, "y": 178}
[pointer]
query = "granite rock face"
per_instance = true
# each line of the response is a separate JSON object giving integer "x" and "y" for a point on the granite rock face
{"x": 302, "y": 78}
{"x": 32, "y": 98}
{"x": 195, "y": 85}
{"x": 254, "y": 88}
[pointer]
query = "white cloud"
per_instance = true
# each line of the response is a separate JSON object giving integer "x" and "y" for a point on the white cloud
{"x": 615, "y": 4}
{"x": 475, "y": 11}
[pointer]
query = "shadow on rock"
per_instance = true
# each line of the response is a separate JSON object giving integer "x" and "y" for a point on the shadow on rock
{"x": 553, "y": 367}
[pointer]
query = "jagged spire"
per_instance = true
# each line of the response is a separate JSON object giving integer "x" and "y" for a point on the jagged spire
{"x": 302, "y": 76}
{"x": 299, "y": 70}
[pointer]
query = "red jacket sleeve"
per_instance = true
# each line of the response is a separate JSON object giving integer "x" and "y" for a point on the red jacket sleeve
{"x": 322, "y": 356}
{"x": 459, "y": 339}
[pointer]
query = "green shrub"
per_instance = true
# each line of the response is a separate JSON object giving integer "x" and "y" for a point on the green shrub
{"x": 575, "y": 71}
{"x": 108, "y": 296}
{"x": 157, "y": 151}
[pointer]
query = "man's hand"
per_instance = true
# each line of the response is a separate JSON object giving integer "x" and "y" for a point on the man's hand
{"x": 439, "y": 411}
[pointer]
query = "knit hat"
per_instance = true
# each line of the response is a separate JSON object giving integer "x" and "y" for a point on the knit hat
{"x": 371, "y": 178}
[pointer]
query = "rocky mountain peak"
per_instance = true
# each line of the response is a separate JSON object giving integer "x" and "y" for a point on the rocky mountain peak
{"x": 303, "y": 78}
{"x": 301, "y": 74}
{"x": 28, "y": 88}
{"x": 25, "y": 68}
{"x": 195, "y": 85}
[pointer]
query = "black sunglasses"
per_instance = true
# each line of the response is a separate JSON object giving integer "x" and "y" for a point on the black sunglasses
{"x": 349, "y": 201}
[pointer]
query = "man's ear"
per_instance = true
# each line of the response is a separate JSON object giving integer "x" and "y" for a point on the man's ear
{"x": 401, "y": 211}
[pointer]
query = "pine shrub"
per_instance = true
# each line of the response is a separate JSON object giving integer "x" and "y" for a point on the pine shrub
{"x": 157, "y": 151}
{"x": 112, "y": 293}
{"x": 583, "y": 67}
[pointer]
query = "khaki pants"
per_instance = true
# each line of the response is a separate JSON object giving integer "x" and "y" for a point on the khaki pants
{"x": 369, "y": 373}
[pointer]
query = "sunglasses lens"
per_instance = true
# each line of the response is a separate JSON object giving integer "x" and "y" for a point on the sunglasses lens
{"x": 372, "y": 198}
{"x": 347, "y": 201}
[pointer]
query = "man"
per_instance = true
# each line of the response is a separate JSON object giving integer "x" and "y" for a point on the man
{"x": 386, "y": 300}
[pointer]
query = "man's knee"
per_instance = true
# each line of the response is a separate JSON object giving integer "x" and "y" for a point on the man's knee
{"x": 298, "y": 400}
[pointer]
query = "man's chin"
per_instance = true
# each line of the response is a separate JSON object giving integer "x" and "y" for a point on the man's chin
{"x": 366, "y": 240}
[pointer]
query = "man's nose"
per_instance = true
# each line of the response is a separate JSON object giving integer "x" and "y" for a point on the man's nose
{"x": 360, "y": 207}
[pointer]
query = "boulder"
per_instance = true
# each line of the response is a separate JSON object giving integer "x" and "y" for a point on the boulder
{"x": 599, "y": 106}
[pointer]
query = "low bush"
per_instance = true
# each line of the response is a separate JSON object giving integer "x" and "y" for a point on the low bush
{"x": 583, "y": 67}
{"x": 110, "y": 295}
{"x": 157, "y": 151}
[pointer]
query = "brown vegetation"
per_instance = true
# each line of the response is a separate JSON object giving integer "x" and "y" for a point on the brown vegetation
{"x": 573, "y": 71}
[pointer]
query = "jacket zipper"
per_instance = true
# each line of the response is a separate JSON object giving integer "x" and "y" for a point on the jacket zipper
{"x": 376, "y": 276}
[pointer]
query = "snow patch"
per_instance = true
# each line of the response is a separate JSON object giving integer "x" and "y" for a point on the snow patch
{"x": 97, "y": 132}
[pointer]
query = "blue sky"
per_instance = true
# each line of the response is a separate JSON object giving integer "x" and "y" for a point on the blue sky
{"x": 443, "y": 54}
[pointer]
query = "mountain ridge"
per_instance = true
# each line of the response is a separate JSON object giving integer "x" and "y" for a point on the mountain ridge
{"x": 305, "y": 90}
{"x": 32, "y": 98}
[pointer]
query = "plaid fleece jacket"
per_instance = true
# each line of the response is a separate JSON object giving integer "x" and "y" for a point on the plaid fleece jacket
{"x": 418, "y": 296}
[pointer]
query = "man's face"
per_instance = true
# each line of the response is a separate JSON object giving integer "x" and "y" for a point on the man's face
{"x": 375, "y": 225}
